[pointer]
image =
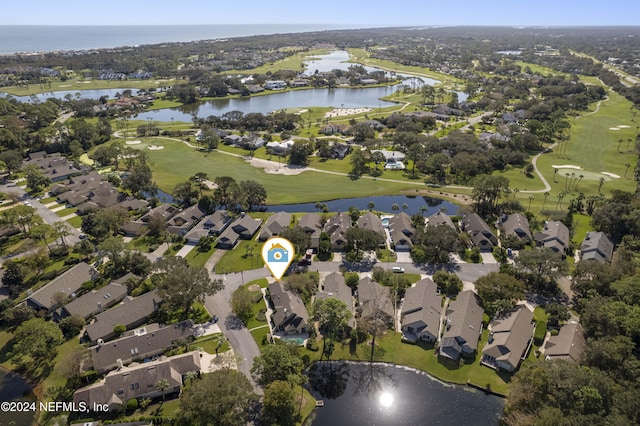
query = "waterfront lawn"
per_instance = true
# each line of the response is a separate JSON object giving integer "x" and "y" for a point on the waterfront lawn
{"x": 177, "y": 162}
{"x": 197, "y": 258}
{"x": 308, "y": 404}
{"x": 389, "y": 348}
{"x": 238, "y": 259}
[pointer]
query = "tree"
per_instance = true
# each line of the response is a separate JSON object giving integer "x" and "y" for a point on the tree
{"x": 487, "y": 191}
{"x": 38, "y": 339}
{"x": 241, "y": 304}
{"x": 14, "y": 275}
{"x": 447, "y": 283}
{"x": 185, "y": 193}
{"x": 540, "y": 267}
{"x": 499, "y": 292}
{"x": 278, "y": 406}
{"x": 254, "y": 193}
{"x": 333, "y": 317}
{"x": 161, "y": 386}
{"x": 36, "y": 180}
{"x": 233, "y": 396}
{"x": 42, "y": 232}
{"x": 71, "y": 326}
{"x": 361, "y": 239}
{"x": 359, "y": 160}
{"x": 436, "y": 243}
{"x": 200, "y": 179}
{"x": 299, "y": 153}
{"x": 361, "y": 131}
{"x": 299, "y": 238}
{"x": 139, "y": 180}
{"x": 209, "y": 139}
{"x": 104, "y": 223}
{"x": 276, "y": 362}
{"x": 12, "y": 160}
{"x": 180, "y": 284}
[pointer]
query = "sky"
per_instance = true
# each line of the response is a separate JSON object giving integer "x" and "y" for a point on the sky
{"x": 350, "y": 13}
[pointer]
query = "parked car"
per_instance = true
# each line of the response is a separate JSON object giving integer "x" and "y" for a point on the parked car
{"x": 397, "y": 269}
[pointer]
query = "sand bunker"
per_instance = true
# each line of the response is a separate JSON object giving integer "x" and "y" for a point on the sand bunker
{"x": 65, "y": 85}
{"x": 623, "y": 126}
{"x": 613, "y": 128}
{"x": 272, "y": 167}
{"x": 341, "y": 112}
{"x": 302, "y": 111}
{"x": 566, "y": 166}
{"x": 155, "y": 147}
{"x": 133, "y": 142}
{"x": 612, "y": 175}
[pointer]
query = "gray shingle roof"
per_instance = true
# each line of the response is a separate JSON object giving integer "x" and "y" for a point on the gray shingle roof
{"x": 96, "y": 301}
{"x": 290, "y": 313}
{"x": 596, "y": 246}
{"x": 518, "y": 225}
{"x": 67, "y": 283}
{"x": 510, "y": 336}
{"x": 335, "y": 287}
{"x": 422, "y": 304}
{"x": 372, "y": 296}
{"x": 464, "y": 324}
{"x": 441, "y": 218}
{"x": 555, "y": 235}
{"x": 130, "y": 314}
{"x": 274, "y": 225}
{"x": 568, "y": 344}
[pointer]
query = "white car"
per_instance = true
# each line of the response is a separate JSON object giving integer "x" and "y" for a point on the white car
{"x": 397, "y": 269}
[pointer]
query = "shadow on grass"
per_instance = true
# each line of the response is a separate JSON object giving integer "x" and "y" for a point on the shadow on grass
{"x": 6, "y": 350}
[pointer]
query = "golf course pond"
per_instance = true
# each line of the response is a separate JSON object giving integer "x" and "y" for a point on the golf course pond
{"x": 15, "y": 388}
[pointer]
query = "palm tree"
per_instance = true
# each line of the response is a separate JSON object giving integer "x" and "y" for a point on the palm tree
{"x": 546, "y": 195}
{"x": 371, "y": 205}
{"x": 627, "y": 165}
{"x": 573, "y": 176}
{"x": 619, "y": 143}
{"x": 162, "y": 385}
{"x": 566, "y": 179}
{"x": 531, "y": 198}
{"x": 555, "y": 172}
{"x": 405, "y": 206}
{"x": 395, "y": 207}
{"x": 578, "y": 182}
{"x": 515, "y": 192}
{"x": 600, "y": 184}
{"x": 423, "y": 209}
{"x": 560, "y": 197}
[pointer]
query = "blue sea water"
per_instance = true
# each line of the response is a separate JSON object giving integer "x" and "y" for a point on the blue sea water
{"x": 46, "y": 38}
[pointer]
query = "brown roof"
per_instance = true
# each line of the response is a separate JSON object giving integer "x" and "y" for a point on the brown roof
{"x": 274, "y": 225}
{"x": 568, "y": 344}
{"x": 464, "y": 324}
{"x": 440, "y": 218}
{"x": 510, "y": 336}
{"x": 334, "y": 287}
{"x": 371, "y": 222}
{"x": 372, "y": 296}
{"x": 67, "y": 283}
{"x": 422, "y": 304}
{"x": 290, "y": 314}
{"x": 518, "y": 225}
{"x": 401, "y": 229}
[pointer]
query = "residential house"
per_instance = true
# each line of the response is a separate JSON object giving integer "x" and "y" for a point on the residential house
{"x": 311, "y": 223}
{"x": 95, "y": 301}
{"x": 421, "y": 312}
{"x": 480, "y": 233}
{"x": 279, "y": 148}
{"x": 137, "y": 227}
{"x": 211, "y": 225}
{"x": 337, "y": 227}
{"x": 64, "y": 286}
{"x": 509, "y": 339}
{"x": 339, "y": 150}
{"x": 569, "y": 344}
{"x": 232, "y": 139}
{"x": 139, "y": 344}
{"x": 374, "y": 302}
{"x": 391, "y": 157}
{"x": 596, "y": 246}
{"x": 131, "y": 313}
{"x": 299, "y": 82}
{"x": 334, "y": 287}
{"x": 139, "y": 382}
{"x": 289, "y": 313}
{"x": 463, "y": 326}
{"x": 373, "y": 223}
{"x": 516, "y": 225}
{"x": 401, "y": 231}
{"x": 555, "y": 236}
{"x": 368, "y": 81}
{"x": 183, "y": 221}
{"x": 243, "y": 228}
{"x": 53, "y": 166}
{"x": 440, "y": 218}
{"x": 274, "y": 225}
{"x": 275, "y": 84}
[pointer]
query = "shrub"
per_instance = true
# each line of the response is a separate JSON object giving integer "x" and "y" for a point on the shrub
{"x": 90, "y": 376}
{"x": 48, "y": 276}
{"x": 312, "y": 345}
{"x": 119, "y": 329}
{"x": 262, "y": 315}
{"x": 256, "y": 296}
{"x": 132, "y": 405}
{"x": 540, "y": 333}
{"x": 555, "y": 332}
{"x": 72, "y": 261}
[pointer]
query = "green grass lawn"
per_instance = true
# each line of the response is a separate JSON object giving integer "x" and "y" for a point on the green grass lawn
{"x": 237, "y": 260}
{"x": 308, "y": 404}
{"x": 177, "y": 162}
{"x": 209, "y": 343}
{"x": 259, "y": 334}
{"x": 48, "y": 200}
{"x": 66, "y": 212}
{"x": 75, "y": 221}
{"x": 391, "y": 349}
{"x": 197, "y": 259}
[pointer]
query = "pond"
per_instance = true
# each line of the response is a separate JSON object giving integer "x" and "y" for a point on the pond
{"x": 381, "y": 203}
{"x": 357, "y": 394}
{"x": 81, "y": 93}
{"x": 15, "y": 388}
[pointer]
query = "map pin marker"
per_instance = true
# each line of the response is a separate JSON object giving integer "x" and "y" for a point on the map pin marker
{"x": 278, "y": 253}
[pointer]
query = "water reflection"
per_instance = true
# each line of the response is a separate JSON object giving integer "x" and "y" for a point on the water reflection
{"x": 329, "y": 379}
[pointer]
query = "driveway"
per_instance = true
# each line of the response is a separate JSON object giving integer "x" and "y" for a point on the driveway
{"x": 185, "y": 250}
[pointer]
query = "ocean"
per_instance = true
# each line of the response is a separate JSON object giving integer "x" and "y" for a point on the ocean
{"x": 26, "y": 38}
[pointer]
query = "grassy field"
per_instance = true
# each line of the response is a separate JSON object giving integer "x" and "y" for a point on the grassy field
{"x": 176, "y": 162}
{"x": 294, "y": 62}
{"x": 237, "y": 260}
{"x": 82, "y": 84}
{"x": 66, "y": 212}
{"x": 197, "y": 259}
{"x": 75, "y": 221}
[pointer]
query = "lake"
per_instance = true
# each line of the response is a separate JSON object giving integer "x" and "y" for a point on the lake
{"x": 14, "y": 388}
{"x": 382, "y": 203}
{"x": 356, "y": 394}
